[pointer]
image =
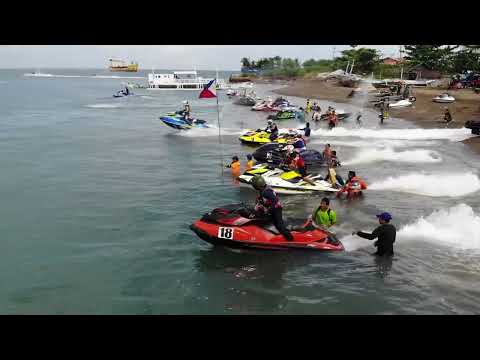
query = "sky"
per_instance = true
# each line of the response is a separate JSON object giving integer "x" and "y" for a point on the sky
{"x": 200, "y": 57}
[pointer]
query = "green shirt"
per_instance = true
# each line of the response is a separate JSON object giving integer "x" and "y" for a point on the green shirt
{"x": 326, "y": 218}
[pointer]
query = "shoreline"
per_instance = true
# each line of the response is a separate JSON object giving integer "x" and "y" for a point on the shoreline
{"x": 424, "y": 112}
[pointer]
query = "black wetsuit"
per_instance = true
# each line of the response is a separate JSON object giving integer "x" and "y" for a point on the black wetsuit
{"x": 359, "y": 116}
{"x": 307, "y": 131}
{"x": 386, "y": 234}
{"x": 274, "y": 133}
{"x": 269, "y": 200}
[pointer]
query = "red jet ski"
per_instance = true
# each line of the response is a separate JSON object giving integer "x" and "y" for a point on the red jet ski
{"x": 231, "y": 226}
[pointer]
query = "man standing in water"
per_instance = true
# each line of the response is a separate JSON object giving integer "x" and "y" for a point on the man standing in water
{"x": 385, "y": 233}
{"x": 447, "y": 116}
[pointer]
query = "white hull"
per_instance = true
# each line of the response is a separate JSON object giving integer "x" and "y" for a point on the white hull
{"x": 400, "y": 104}
{"x": 273, "y": 179}
{"x": 444, "y": 100}
{"x": 37, "y": 75}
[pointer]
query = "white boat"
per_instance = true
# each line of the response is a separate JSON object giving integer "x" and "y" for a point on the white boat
{"x": 444, "y": 98}
{"x": 388, "y": 82}
{"x": 180, "y": 80}
{"x": 37, "y": 74}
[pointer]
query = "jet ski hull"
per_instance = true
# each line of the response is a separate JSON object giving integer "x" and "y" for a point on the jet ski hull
{"x": 262, "y": 137}
{"x": 273, "y": 153}
{"x": 260, "y": 235}
{"x": 275, "y": 179}
{"x": 180, "y": 124}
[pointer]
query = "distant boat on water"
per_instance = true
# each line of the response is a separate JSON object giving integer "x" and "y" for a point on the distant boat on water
{"x": 37, "y": 74}
{"x": 120, "y": 65}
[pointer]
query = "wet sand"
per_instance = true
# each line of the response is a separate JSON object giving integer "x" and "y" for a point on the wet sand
{"x": 424, "y": 112}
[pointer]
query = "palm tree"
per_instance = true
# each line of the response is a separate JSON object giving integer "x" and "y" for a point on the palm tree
{"x": 245, "y": 62}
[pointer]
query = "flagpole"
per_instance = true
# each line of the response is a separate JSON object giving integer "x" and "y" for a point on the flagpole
{"x": 219, "y": 130}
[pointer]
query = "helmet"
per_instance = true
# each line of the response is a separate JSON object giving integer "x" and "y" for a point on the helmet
{"x": 289, "y": 148}
{"x": 385, "y": 216}
{"x": 270, "y": 122}
{"x": 184, "y": 102}
{"x": 351, "y": 174}
{"x": 258, "y": 182}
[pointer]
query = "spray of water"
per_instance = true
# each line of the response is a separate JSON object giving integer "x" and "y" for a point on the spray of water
{"x": 455, "y": 226}
{"x": 388, "y": 154}
{"x": 435, "y": 185}
{"x": 103, "y": 106}
{"x": 402, "y": 134}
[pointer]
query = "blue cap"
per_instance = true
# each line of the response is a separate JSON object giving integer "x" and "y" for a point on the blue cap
{"x": 385, "y": 216}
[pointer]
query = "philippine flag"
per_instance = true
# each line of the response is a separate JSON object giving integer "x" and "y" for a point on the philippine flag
{"x": 209, "y": 90}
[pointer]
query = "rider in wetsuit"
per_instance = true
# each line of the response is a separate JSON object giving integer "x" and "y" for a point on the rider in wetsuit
{"x": 268, "y": 204}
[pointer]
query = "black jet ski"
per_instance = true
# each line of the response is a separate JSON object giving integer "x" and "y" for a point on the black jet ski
{"x": 474, "y": 125}
{"x": 340, "y": 116}
{"x": 274, "y": 153}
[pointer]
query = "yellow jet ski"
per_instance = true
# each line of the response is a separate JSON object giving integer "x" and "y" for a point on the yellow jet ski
{"x": 260, "y": 137}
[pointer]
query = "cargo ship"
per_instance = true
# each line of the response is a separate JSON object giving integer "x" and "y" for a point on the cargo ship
{"x": 120, "y": 65}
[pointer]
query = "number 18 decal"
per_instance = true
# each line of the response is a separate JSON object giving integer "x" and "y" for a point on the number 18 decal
{"x": 225, "y": 233}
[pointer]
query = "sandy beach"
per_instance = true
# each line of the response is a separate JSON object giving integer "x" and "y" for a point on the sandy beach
{"x": 424, "y": 112}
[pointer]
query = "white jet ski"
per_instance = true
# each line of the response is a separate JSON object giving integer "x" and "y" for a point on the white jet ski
{"x": 286, "y": 182}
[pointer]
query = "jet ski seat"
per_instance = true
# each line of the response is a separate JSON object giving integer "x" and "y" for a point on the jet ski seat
{"x": 270, "y": 227}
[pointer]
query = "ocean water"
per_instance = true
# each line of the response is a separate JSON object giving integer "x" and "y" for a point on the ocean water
{"x": 97, "y": 196}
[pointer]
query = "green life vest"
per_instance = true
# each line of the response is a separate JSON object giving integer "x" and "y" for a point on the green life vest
{"x": 327, "y": 219}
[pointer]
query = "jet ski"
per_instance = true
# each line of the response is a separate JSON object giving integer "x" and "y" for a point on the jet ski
{"x": 341, "y": 115}
{"x": 245, "y": 100}
{"x": 180, "y": 123}
{"x": 286, "y": 181}
{"x": 232, "y": 226}
{"x": 259, "y": 136}
{"x": 444, "y": 98}
{"x": 123, "y": 93}
{"x": 274, "y": 153}
{"x": 473, "y": 125}
{"x": 285, "y": 114}
{"x": 262, "y": 106}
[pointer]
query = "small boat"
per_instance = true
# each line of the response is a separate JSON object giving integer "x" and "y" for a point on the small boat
{"x": 403, "y": 103}
{"x": 180, "y": 123}
{"x": 234, "y": 226}
{"x": 37, "y": 74}
{"x": 120, "y": 65}
{"x": 444, "y": 98}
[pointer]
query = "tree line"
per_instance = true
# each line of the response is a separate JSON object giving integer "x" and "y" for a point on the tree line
{"x": 447, "y": 59}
